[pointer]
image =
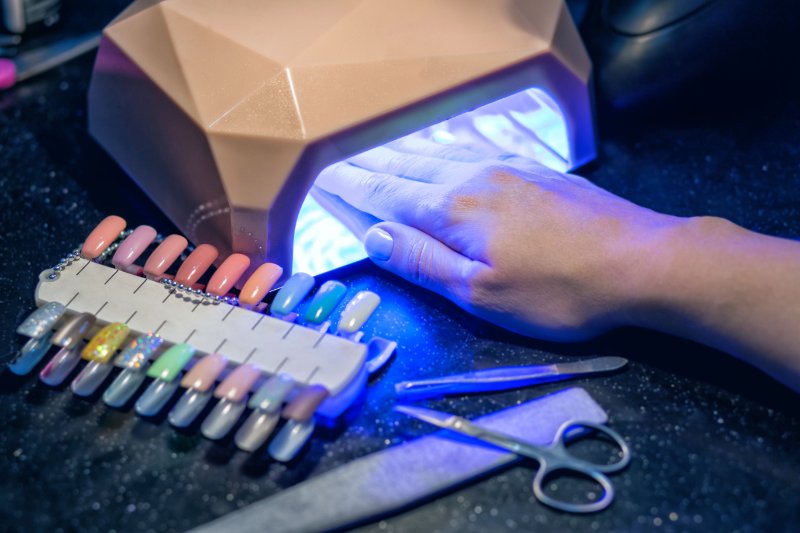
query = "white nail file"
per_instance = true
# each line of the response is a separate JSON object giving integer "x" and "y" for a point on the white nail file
{"x": 398, "y": 477}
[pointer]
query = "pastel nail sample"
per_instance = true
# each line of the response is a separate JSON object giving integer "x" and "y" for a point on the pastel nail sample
{"x": 325, "y": 301}
{"x": 198, "y": 262}
{"x": 133, "y": 359}
{"x": 256, "y": 430}
{"x": 205, "y": 373}
{"x": 91, "y": 377}
{"x": 357, "y": 311}
{"x": 266, "y": 404}
{"x": 198, "y": 382}
{"x": 222, "y": 418}
{"x": 139, "y": 351}
{"x": 61, "y": 365}
{"x": 228, "y": 273}
{"x": 165, "y": 369}
{"x": 42, "y": 320}
{"x": 270, "y": 396}
{"x": 258, "y": 284}
{"x": 168, "y": 366}
{"x": 133, "y": 246}
{"x": 303, "y": 406}
{"x": 31, "y": 353}
{"x": 155, "y": 397}
{"x": 102, "y": 236}
{"x": 164, "y": 256}
{"x": 124, "y": 386}
{"x": 290, "y": 440}
{"x": 74, "y": 330}
{"x": 103, "y": 345}
{"x": 292, "y": 293}
{"x": 238, "y": 383}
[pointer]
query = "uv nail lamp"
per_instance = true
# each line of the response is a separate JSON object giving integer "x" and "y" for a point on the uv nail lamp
{"x": 225, "y": 111}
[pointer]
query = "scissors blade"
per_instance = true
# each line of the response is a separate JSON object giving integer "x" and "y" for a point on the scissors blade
{"x": 465, "y": 427}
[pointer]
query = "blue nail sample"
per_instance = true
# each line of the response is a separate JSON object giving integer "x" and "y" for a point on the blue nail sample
{"x": 291, "y": 294}
{"x": 291, "y": 439}
{"x": 189, "y": 406}
{"x": 90, "y": 378}
{"x": 124, "y": 386}
{"x": 222, "y": 418}
{"x": 30, "y": 354}
{"x": 156, "y": 397}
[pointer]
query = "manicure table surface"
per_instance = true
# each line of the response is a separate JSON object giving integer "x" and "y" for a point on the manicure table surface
{"x": 714, "y": 441}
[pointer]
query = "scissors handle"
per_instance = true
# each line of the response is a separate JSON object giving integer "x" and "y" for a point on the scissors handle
{"x": 559, "y": 459}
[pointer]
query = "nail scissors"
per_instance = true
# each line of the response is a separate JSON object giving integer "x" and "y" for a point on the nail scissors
{"x": 552, "y": 459}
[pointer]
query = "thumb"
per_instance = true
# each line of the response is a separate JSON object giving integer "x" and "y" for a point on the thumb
{"x": 420, "y": 259}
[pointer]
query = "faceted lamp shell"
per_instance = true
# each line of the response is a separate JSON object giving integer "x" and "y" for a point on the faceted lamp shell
{"x": 225, "y": 111}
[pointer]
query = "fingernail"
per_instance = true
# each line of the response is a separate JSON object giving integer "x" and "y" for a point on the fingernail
{"x": 168, "y": 366}
{"x": 292, "y": 293}
{"x": 102, "y": 346}
{"x": 74, "y": 330}
{"x": 290, "y": 440}
{"x": 139, "y": 351}
{"x": 198, "y": 382}
{"x": 102, "y": 236}
{"x": 165, "y": 369}
{"x": 133, "y": 246}
{"x": 90, "y": 378}
{"x": 42, "y": 320}
{"x": 30, "y": 354}
{"x": 259, "y": 284}
{"x": 164, "y": 256}
{"x": 60, "y": 366}
{"x": 266, "y": 404}
{"x": 196, "y": 264}
{"x": 357, "y": 311}
{"x": 303, "y": 406}
{"x": 238, "y": 383}
{"x": 221, "y": 419}
{"x": 378, "y": 244}
{"x": 325, "y": 301}
{"x": 228, "y": 274}
{"x": 270, "y": 396}
{"x": 232, "y": 392}
{"x": 133, "y": 360}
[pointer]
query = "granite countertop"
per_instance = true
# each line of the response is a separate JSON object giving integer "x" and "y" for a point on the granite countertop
{"x": 715, "y": 442}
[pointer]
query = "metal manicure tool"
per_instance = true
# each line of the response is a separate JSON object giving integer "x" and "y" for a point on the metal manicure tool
{"x": 553, "y": 458}
{"x": 506, "y": 378}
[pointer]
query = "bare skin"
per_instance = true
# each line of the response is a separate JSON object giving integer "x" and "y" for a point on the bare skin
{"x": 551, "y": 255}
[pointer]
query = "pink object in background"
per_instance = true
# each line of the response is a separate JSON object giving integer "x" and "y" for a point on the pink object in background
{"x": 164, "y": 256}
{"x": 258, "y": 284}
{"x": 196, "y": 264}
{"x": 102, "y": 236}
{"x": 8, "y": 74}
{"x": 238, "y": 383}
{"x": 133, "y": 247}
{"x": 228, "y": 274}
{"x": 203, "y": 375}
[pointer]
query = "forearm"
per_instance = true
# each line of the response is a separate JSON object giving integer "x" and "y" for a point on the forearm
{"x": 717, "y": 283}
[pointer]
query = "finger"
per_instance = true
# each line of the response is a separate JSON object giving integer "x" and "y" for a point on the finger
{"x": 420, "y": 146}
{"x": 384, "y": 196}
{"x": 354, "y": 220}
{"x": 410, "y": 165}
{"x": 419, "y": 258}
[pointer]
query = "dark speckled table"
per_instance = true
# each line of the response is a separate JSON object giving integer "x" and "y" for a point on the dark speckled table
{"x": 716, "y": 443}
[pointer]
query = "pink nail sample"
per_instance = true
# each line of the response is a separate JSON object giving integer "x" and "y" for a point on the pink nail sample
{"x": 196, "y": 264}
{"x": 164, "y": 255}
{"x": 133, "y": 246}
{"x": 228, "y": 274}
{"x": 238, "y": 383}
{"x": 259, "y": 283}
{"x": 203, "y": 375}
{"x": 102, "y": 236}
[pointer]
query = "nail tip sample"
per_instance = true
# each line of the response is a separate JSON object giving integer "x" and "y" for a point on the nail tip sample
{"x": 102, "y": 236}
{"x": 41, "y": 320}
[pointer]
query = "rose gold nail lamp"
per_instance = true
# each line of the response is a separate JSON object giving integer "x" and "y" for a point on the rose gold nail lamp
{"x": 225, "y": 111}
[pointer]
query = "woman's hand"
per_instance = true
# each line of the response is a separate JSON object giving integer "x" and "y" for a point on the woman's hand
{"x": 550, "y": 255}
{"x": 537, "y": 251}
